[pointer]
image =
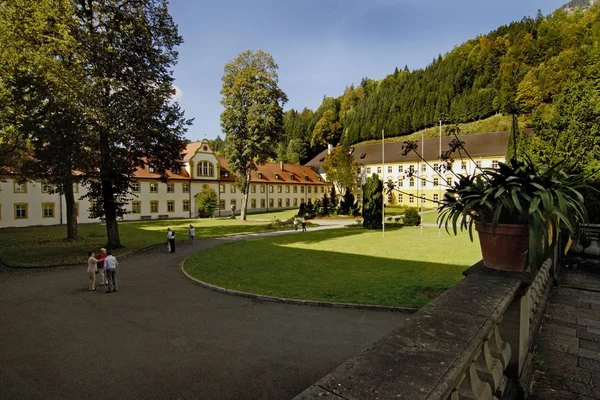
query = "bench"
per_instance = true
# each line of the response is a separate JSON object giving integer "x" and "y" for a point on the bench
{"x": 163, "y": 216}
{"x": 146, "y": 217}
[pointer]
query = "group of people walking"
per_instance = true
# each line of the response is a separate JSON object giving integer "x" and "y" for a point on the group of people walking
{"x": 171, "y": 238}
{"x": 303, "y": 224}
{"x": 106, "y": 266}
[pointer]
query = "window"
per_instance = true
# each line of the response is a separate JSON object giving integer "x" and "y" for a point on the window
{"x": 170, "y": 206}
{"x": 301, "y": 189}
{"x": 295, "y": 202}
{"x": 253, "y": 203}
{"x": 379, "y": 170}
{"x": 478, "y": 163}
{"x": 221, "y": 204}
{"x": 295, "y": 189}
{"x": 153, "y": 206}
{"x": 48, "y": 210}
{"x": 423, "y": 182}
{"x": 150, "y": 168}
{"x": 76, "y": 188}
{"x": 271, "y": 203}
{"x": 309, "y": 189}
{"x": 233, "y": 204}
{"x": 436, "y": 198}
{"x": 400, "y": 182}
{"x": 278, "y": 188}
{"x": 399, "y": 197}
{"x": 449, "y": 180}
{"x": 322, "y": 189}
{"x": 153, "y": 187}
{"x": 411, "y": 169}
{"x": 262, "y": 188}
{"x": 205, "y": 168}
{"x": 411, "y": 199}
{"x": 368, "y": 170}
{"x": 436, "y": 182}
{"x": 411, "y": 182}
{"x": 135, "y": 187}
{"x": 186, "y": 205}
{"x": 287, "y": 202}
{"x": 47, "y": 188}
{"x": 390, "y": 198}
{"x": 423, "y": 199}
{"x": 463, "y": 166}
{"x": 136, "y": 207}
{"x": 424, "y": 168}
{"x": 262, "y": 203}
{"x": 287, "y": 189}
{"x": 221, "y": 188}
{"x": 185, "y": 187}
{"x": 20, "y": 187}
{"x": 279, "y": 203}
{"x": 436, "y": 167}
{"x": 21, "y": 211}
{"x": 170, "y": 188}
{"x": 259, "y": 175}
{"x": 400, "y": 168}
{"x": 253, "y": 189}
{"x": 494, "y": 163}
{"x": 232, "y": 188}
{"x": 270, "y": 188}
{"x": 389, "y": 169}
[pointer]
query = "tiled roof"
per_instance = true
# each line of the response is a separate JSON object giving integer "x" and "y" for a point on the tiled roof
{"x": 273, "y": 173}
{"x": 143, "y": 173}
{"x": 190, "y": 150}
{"x": 478, "y": 145}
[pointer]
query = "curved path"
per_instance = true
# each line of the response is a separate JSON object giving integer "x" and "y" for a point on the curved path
{"x": 163, "y": 337}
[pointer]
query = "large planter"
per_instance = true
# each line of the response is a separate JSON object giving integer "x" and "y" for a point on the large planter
{"x": 506, "y": 250}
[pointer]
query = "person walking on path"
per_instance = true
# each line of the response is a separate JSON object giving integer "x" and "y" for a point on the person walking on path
{"x": 192, "y": 234}
{"x": 295, "y": 223}
{"x": 304, "y": 224}
{"x": 110, "y": 266}
{"x": 171, "y": 240}
{"x": 101, "y": 270}
{"x": 92, "y": 267}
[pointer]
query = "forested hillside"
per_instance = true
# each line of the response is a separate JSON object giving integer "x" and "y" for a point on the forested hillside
{"x": 518, "y": 68}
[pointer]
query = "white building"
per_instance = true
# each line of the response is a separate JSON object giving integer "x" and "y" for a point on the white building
{"x": 274, "y": 186}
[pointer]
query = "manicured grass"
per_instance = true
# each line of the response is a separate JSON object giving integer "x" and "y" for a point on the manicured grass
{"x": 269, "y": 216}
{"x": 45, "y": 245}
{"x": 429, "y": 217}
{"x": 342, "y": 265}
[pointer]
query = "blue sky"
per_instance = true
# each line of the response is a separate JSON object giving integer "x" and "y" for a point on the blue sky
{"x": 322, "y": 46}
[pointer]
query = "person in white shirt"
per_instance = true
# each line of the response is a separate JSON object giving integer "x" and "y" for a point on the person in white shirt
{"x": 171, "y": 240}
{"x": 110, "y": 267}
{"x": 92, "y": 267}
{"x": 192, "y": 234}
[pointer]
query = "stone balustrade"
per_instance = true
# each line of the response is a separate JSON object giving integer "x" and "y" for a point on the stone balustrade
{"x": 473, "y": 342}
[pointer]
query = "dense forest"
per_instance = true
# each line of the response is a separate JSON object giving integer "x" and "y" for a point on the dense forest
{"x": 518, "y": 68}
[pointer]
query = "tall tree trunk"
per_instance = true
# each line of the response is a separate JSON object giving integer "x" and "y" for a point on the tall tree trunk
{"x": 71, "y": 210}
{"x": 108, "y": 195}
{"x": 245, "y": 196}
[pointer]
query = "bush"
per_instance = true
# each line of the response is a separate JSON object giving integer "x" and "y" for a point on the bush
{"x": 412, "y": 217}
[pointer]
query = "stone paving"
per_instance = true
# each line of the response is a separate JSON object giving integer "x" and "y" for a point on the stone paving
{"x": 567, "y": 357}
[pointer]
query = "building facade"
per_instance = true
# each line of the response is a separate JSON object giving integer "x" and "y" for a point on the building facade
{"x": 422, "y": 183}
{"x": 274, "y": 186}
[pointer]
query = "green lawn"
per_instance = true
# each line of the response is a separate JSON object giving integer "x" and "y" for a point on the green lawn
{"x": 45, "y": 245}
{"x": 343, "y": 265}
{"x": 269, "y": 216}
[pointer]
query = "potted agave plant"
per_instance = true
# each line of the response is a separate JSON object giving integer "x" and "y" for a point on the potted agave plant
{"x": 518, "y": 209}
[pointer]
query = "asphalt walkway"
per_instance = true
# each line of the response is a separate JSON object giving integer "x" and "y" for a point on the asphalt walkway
{"x": 163, "y": 337}
{"x": 567, "y": 358}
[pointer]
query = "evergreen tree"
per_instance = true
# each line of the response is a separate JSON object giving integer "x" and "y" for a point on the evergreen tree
{"x": 372, "y": 203}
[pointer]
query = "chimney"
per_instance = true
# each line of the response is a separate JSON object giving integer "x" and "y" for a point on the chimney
{"x": 329, "y": 148}
{"x": 281, "y": 165}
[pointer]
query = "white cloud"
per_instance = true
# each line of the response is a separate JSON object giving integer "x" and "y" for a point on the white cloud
{"x": 178, "y": 94}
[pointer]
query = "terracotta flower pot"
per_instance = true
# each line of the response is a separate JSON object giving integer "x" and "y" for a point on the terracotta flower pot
{"x": 507, "y": 249}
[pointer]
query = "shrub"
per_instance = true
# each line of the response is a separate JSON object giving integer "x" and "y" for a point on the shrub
{"x": 412, "y": 217}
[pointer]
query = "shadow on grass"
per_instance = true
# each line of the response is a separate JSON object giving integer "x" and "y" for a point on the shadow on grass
{"x": 272, "y": 269}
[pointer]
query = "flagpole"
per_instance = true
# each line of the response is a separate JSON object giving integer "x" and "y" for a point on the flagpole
{"x": 383, "y": 180}
{"x": 420, "y": 172}
{"x": 441, "y": 179}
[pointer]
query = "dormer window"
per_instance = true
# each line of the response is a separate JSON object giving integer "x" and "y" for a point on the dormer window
{"x": 305, "y": 177}
{"x": 319, "y": 179}
{"x": 176, "y": 170}
{"x": 363, "y": 155}
{"x": 150, "y": 168}
{"x": 276, "y": 176}
{"x": 259, "y": 175}
{"x": 225, "y": 174}
{"x": 291, "y": 176}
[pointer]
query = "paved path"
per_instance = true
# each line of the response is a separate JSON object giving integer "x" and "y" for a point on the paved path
{"x": 568, "y": 352}
{"x": 162, "y": 337}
